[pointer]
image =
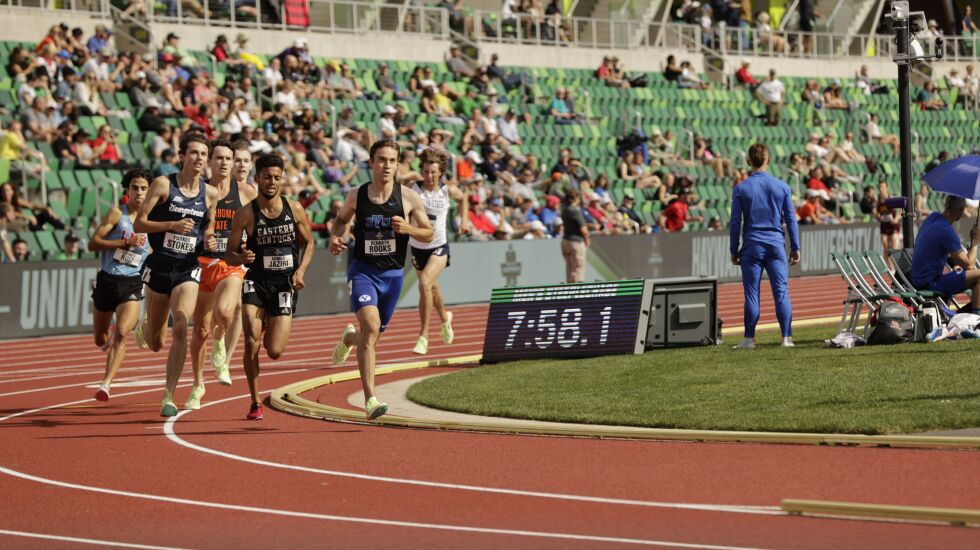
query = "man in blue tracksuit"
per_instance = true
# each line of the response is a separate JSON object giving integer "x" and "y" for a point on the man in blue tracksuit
{"x": 762, "y": 204}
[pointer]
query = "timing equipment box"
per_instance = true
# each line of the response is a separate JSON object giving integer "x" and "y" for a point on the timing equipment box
{"x": 683, "y": 312}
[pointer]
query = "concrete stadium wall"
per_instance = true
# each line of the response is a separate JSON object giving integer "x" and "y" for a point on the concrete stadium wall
{"x": 31, "y": 25}
{"x": 43, "y": 298}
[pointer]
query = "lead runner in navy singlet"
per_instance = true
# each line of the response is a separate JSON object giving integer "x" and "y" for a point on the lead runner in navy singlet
{"x": 178, "y": 216}
{"x": 278, "y": 251}
{"x": 380, "y": 211}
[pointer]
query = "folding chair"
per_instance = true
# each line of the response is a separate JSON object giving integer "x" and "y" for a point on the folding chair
{"x": 881, "y": 274}
{"x": 860, "y": 294}
{"x": 903, "y": 272}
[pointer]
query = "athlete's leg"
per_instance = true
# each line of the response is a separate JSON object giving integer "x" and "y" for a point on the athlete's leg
{"x": 157, "y": 312}
{"x": 277, "y": 331}
{"x": 202, "y": 329}
{"x": 233, "y": 332}
{"x": 751, "y": 263}
{"x": 366, "y": 339}
{"x": 127, "y": 314}
{"x": 101, "y": 321}
{"x": 778, "y": 270}
{"x": 182, "y": 302}
{"x": 438, "y": 302}
{"x": 428, "y": 279}
{"x": 228, "y": 300}
{"x": 252, "y": 324}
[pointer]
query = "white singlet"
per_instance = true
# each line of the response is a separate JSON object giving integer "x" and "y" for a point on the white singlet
{"x": 436, "y": 204}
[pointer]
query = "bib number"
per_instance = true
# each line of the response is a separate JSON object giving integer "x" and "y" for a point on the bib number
{"x": 277, "y": 263}
{"x": 248, "y": 287}
{"x": 221, "y": 244}
{"x": 286, "y": 300}
{"x": 379, "y": 244}
{"x": 182, "y": 244}
{"x": 127, "y": 257}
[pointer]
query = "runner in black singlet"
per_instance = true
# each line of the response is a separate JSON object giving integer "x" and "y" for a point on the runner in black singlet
{"x": 374, "y": 279}
{"x": 278, "y": 250}
{"x": 177, "y": 215}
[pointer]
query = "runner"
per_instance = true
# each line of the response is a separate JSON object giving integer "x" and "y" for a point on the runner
{"x": 277, "y": 229}
{"x": 430, "y": 259}
{"x": 220, "y": 293}
{"x": 177, "y": 214}
{"x": 118, "y": 287}
{"x": 374, "y": 279}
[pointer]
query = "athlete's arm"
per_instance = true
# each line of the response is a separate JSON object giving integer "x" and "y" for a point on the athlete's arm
{"x": 159, "y": 192}
{"x": 212, "y": 196}
{"x": 305, "y": 236}
{"x": 421, "y": 230}
{"x": 236, "y": 254}
{"x": 247, "y": 193}
{"x": 98, "y": 242}
{"x": 464, "y": 207}
{"x": 341, "y": 222}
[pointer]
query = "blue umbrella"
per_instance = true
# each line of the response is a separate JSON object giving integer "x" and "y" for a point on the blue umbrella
{"x": 959, "y": 177}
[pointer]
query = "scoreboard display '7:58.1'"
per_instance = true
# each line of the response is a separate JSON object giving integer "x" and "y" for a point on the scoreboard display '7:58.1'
{"x": 570, "y": 320}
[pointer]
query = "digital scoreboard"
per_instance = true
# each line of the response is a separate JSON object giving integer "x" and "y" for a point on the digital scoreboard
{"x": 569, "y": 320}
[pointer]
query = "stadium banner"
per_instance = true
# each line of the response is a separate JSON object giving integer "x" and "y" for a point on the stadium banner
{"x": 46, "y": 298}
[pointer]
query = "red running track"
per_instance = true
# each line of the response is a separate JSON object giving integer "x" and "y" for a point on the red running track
{"x": 74, "y": 472}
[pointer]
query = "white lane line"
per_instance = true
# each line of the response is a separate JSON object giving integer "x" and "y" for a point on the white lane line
{"x": 735, "y": 508}
{"x": 84, "y": 541}
{"x": 364, "y": 520}
{"x": 314, "y": 364}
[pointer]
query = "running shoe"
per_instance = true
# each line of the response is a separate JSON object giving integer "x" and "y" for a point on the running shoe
{"x": 375, "y": 408}
{"x": 218, "y": 356}
{"x": 254, "y": 412}
{"x": 747, "y": 343}
{"x": 446, "y": 330}
{"x": 193, "y": 402}
{"x": 788, "y": 342}
{"x": 110, "y": 340}
{"x": 168, "y": 408}
{"x": 342, "y": 351}
{"x": 421, "y": 346}
{"x": 140, "y": 335}
{"x": 103, "y": 393}
{"x": 222, "y": 375}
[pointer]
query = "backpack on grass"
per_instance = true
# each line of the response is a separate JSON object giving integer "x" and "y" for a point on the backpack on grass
{"x": 893, "y": 323}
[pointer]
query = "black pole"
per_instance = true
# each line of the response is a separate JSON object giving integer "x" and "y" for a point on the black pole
{"x": 905, "y": 132}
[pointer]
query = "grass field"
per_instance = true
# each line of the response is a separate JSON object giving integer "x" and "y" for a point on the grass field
{"x": 872, "y": 390}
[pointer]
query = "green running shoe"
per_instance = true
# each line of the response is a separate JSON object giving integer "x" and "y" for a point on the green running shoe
{"x": 375, "y": 408}
{"x": 193, "y": 402}
{"x": 446, "y": 331}
{"x": 140, "y": 334}
{"x": 342, "y": 351}
{"x": 168, "y": 409}
{"x": 218, "y": 356}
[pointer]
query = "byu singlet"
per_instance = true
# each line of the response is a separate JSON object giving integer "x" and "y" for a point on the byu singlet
{"x": 124, "y": 262}
{"x": 224, "y": 212}
{"x": 273, "y": 241}
{"x": 375, "y": 242}
{"x": 177, "y": 207}
{"x": 436, "y": 204}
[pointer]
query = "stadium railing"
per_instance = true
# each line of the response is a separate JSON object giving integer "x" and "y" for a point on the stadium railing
{"x": 353, "y": 17}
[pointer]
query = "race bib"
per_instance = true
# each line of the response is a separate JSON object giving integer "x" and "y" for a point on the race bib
{"x": 221, "y": 244}
{"x": 277, "y": 263}
{"x": 128, "y": 257}
{"x": 182, "y": 244}
{"x": 380, "y": 243}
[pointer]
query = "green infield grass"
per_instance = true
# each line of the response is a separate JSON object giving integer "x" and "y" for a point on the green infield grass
{"x": 869, "y": 390}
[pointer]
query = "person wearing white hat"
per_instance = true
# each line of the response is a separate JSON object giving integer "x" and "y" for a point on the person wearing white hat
{"x": 386, "y": 124}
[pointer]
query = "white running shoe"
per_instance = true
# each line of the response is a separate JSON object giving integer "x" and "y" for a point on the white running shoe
{"x": 342, "y": 351}
{"x": 218, "y": 354}
{"x": 421, "y": 346}
{"x": 374, "y": 408}
{"x": 446, "y": 330}
{"x": 140, "y": 335}
{"x": 788, "y": 342}
{"x": 193, "y": 402}
{"x": 747, "y": 343}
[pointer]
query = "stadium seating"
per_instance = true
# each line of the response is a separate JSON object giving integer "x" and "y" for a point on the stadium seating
{"x": 730, "y": 119}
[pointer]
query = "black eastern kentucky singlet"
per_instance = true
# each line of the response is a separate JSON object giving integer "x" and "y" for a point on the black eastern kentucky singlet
{"x": 224, "y": 212}
{"x": 172, "y": 245}
{"x": 375, "y": 242}
{"x": 273, "y": 241}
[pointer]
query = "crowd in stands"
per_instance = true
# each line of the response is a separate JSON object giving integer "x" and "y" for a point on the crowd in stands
{"x": 275, "y": 104}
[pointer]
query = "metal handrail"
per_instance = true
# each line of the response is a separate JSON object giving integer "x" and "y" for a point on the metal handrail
{"x": 787, "y": 14}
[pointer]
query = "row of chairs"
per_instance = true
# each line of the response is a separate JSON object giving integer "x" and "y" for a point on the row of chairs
{"x": 870, "y": 282}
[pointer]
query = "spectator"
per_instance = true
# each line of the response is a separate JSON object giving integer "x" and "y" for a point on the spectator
{"x": 875, "y": 135}
{"x": 39, "y": 121}
{"x": 769, "y": 40}
{"x": 770, "y": 93}
{"x": 744, "y": 77}
{"x": 714, "y": 224}
{"x": 87, "y": 95}
{"x": 937, "y": 244}
{"x": 671, "y": 71}
{"x": 99, "y": 40}
{"x": 832, "y": 98}
{"x": 847, "y": 146}
{"x": 168, "y": 164}
{"x": 499, "y": 218}
{"x": 508, "y": 128}
{"x": 813, "y": 211}
{"x": 688, "y": 79}
{"x": 942, "y": 157}
{"x": 172, "y": 47}
{"x": 868, "y": 86}
{"x": 272, "y": 75}
{"x": 62, "y": 142}
{"x": 560, "y": 110}
{"x": 72, "y": 251}
{"x": 626, "y": 209}
{"x": 930, "y": 99}
{"x": 922, "y": 203}
{"x": 13, "y": 146}
{"x": 674, "y": 217}
{"x": 721, "y": 165}
{"x": 967, "y": 27}
{"x": 21, "y": 252}
{"x": 37, "y": 215}
{"x": 386, "y": 124}
{"x": 869, "y": 201}
{"x": 104, "y": 146}
{"x": 575, "y": 240}
{"x": 889, "y": 224}
{"x": 458, "y": 65}
{"x": 605, "y": 72}
{"x": 632, "y": 169}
